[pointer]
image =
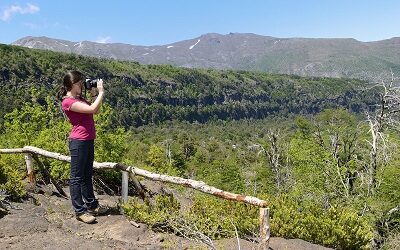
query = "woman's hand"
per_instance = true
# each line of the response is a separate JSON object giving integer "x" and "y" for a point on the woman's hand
{"x": 93, "y": 108}
{"x": 100, "y": 86}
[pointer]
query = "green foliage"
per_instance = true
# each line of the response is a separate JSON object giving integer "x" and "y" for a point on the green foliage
{"x": 24, "y": 124}
{"x": 165, "y": 209}
{"x": 156, "y": 158}
{"x": 54, "y": 139}
{"x": 224, "y": 174}
{"x": 263, "y": 181}
{"x": 38, "y": 126}
{"x": 217, "y": 218}
{"x": 386, "y": 202}
{"x": 211, "y": 216}
{"x": 388, "y": 190}
{"x": 309, "y": 165}
{"x": 11, "y": 176}
{"x": 335, "y": 226}
{"x": 166, "y": 159}
{"x": 111, "y": 143}
{"x": 327, "y": 149}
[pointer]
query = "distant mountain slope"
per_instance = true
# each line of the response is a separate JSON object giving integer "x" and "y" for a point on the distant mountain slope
{"x": 301, "y": 56}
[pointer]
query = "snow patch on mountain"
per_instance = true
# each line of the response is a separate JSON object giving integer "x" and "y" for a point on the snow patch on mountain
{"x": 62, "y": 43}
{"x": 191, "y": 47}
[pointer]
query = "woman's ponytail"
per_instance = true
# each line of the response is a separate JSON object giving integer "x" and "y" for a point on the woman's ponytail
{"x": 61, "y": 93}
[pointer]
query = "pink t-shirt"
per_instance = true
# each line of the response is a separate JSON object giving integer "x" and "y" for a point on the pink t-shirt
{"x": 82, "y": 124}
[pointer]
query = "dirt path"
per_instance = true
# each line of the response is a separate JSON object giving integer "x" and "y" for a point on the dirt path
{"x": 50, "y": 224}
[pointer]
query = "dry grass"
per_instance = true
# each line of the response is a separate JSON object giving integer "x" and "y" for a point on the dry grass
{"x": 393, "y": 242}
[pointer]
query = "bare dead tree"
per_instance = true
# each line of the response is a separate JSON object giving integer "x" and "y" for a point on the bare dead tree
{"x": 334, "y": 132}
{"x": 342, "y": 147}
{"x": 273, "y": 156}
{"x": 277, "y": 159}
{"x": 385, "y": 116}
{"x": 335, "y": 144}
{"x": 168, "y": 152}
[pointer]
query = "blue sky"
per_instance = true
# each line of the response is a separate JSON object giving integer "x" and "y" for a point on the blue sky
{"x": 158, "y": 22}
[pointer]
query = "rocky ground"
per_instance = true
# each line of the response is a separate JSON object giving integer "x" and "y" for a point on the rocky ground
{"x": 46, "y": 221}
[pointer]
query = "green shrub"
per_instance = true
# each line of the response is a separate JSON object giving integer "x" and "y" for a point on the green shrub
{"x": 165, "y": 208}
{"x": 11, "y": 176}
{"x": 217, "y": 218}
{"x": 211, "y": 216}
{"x": 336, "y": 227}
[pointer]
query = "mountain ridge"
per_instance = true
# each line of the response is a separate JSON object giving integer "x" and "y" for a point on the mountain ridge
{"x": 326, "y": 57}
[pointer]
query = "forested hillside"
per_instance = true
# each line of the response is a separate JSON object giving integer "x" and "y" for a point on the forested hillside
{"x": 327, "y": 167}
{"x": 145, "y": 94}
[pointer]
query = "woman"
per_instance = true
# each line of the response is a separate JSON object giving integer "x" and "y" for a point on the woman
{"x": 81, "y": 143}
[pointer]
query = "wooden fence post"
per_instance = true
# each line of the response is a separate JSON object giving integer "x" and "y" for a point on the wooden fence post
{"x": 124, "y": 188}
{"x": 29, "y": 168}
{"x": 264, "y": 228}
{"x": 47, "y": 175}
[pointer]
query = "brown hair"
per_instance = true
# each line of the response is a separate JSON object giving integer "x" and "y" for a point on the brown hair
{"x": 69, "y": 79}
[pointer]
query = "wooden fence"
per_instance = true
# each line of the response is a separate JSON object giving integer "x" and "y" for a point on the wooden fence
{"x": 130, "y": 172}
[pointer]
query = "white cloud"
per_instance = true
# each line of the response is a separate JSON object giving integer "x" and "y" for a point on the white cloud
{"x": 106, "y": 39}
{"x": 17, "y": 9}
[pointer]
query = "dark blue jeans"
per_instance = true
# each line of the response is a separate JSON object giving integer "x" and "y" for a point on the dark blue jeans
{"x": 80, "y": 183}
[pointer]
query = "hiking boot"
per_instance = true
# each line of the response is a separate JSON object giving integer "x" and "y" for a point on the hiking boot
{"x": 86, "y": 218}
{"x": 99, "y": 210}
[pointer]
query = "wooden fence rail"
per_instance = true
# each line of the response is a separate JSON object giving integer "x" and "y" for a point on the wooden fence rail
{"x": 131, "y": 171}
